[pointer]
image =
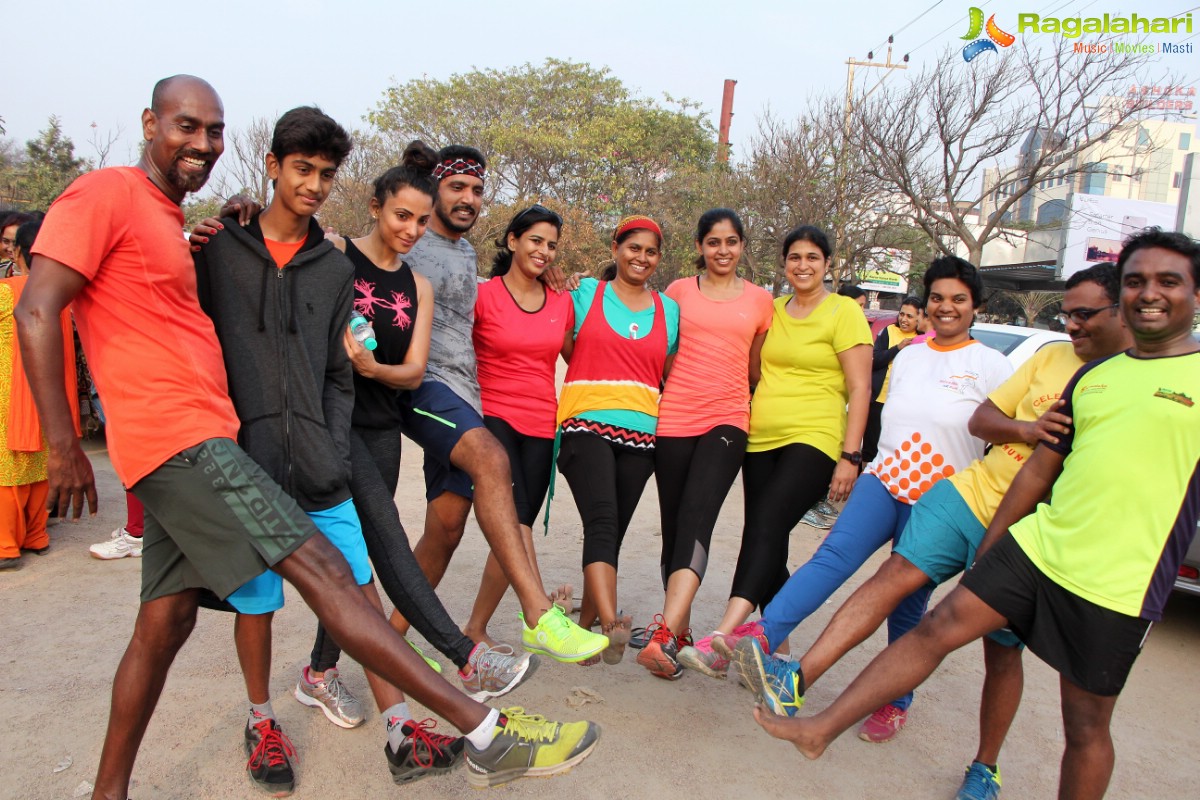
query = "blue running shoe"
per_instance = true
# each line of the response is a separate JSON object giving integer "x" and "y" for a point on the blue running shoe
{"x": 778, "y": 682}
{"x": 980, "y": 783}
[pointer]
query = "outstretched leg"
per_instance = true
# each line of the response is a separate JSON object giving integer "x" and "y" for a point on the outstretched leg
{"x": 900, "y": 668}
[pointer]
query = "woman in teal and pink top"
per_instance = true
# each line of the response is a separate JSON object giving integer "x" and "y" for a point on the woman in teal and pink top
{"x": 608, "y": 411}
{"x": 702, "y": 422}
{"x": 520, "y": 328}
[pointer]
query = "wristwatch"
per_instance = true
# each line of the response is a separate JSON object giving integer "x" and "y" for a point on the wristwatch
{"x": 854, "y": 458}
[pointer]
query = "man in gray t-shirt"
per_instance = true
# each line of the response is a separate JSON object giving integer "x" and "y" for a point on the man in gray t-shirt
{"x": 449, "y": 264}
{"x": 444, "y": 415}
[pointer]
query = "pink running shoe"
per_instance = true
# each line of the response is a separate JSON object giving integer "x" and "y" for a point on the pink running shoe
{"x": 701, "y": 657}
{"x": 725, "y": 643}
{"x": 883, "y": 725}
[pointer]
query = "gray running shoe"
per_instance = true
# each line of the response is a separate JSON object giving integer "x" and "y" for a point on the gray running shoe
{"x": 529, "y": 745}
{"x": 332, "y": 697}
{"x": 496, "y": 671}
{"x": 825, "y": 509}
{"x": 815, "y": 520}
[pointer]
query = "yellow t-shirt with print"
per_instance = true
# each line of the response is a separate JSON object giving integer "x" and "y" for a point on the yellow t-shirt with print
{"x": 1028, "y": 394}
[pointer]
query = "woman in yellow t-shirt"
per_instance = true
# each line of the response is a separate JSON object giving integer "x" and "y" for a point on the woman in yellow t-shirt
{"x": 815, "y": 361}
{"x": 888, "y": 344}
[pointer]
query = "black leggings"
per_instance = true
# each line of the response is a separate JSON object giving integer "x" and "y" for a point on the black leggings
{"x": 870, "y": 447}
{"x": 531, "y": 459}
{"x": 694, "y": 474}
{"x": 779, "y": 486}
{"x": 607, "y": 480}
{"x": 375, "y": 473}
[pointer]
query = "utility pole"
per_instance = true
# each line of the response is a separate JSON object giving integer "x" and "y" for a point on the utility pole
{"x": 870, "y": 62}
{"x": 839, "y": 228}
{"x": 726, "y": 121}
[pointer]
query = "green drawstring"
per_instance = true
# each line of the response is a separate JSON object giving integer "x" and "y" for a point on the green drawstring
{"x": 553, "y": 476}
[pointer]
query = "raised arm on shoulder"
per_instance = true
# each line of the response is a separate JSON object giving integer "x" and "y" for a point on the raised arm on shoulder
{"x": 991, "y": 424}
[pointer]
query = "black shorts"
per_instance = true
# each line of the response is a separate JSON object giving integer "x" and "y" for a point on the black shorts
{"x": 1091, "y": 646}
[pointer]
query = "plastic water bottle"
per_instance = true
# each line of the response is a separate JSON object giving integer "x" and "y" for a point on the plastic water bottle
{"x": 360, "y": 328}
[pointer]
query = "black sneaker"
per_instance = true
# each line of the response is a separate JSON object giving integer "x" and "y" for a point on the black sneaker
{"x": 423, "y": 753}
{"x": 270, "y": 756}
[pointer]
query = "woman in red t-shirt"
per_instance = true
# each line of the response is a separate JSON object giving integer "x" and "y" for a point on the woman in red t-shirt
{"x": 520, "y": 328}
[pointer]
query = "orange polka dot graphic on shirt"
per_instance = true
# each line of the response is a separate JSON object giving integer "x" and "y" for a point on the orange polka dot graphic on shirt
{"x": 912, "y": 469}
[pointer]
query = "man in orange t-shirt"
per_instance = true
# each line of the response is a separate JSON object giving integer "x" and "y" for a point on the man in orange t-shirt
{"x": 113, "y": 246}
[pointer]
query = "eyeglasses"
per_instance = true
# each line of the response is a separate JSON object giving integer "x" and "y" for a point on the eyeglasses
{"x": 540, "y": 209}
{"x": 1081, "y": 315}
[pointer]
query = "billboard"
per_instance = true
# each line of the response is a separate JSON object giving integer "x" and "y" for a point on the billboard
{"x": 1097, "y": 225}
{"x": 886, "y": 271}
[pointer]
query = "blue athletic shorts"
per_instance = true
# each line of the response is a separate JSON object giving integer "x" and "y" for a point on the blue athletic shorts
{"x": 340, "y": 525}
{"x": 435, "y": 418}
{"x": 941, "y": 538}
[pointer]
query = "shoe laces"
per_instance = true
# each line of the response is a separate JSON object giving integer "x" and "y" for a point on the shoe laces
{"x": 658, "y": 630}
{"x": 704, "y": 645}
{"x": 684, "y": 639}
{"x": 435, "y": 744}
{"x": 745, "y": 629}
{"x": 273, "y": 746}
{"x": 888, "y": 714}
{"x": 555, "y": 618}
{"x": 333, "y": 685}
{"x": 530, "y": 727}
{"x": 495, "y": 659}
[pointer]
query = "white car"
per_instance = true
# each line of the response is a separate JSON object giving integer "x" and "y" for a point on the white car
{"x": 1018, "y": 344}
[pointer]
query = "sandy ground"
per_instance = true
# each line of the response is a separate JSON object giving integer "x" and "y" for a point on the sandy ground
{"x": 67, "y": 619}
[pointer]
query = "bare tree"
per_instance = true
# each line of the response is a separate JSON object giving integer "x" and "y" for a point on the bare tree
{"x": 243, "y": 169}
{"x": 809, "y": 172}
{"x": 103, "y": 143}
{"x": 929, "y": 138}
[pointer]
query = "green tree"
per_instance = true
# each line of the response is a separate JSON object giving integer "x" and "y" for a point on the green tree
{"x": 50, "y": 165}
{"x": 570, "y": 135}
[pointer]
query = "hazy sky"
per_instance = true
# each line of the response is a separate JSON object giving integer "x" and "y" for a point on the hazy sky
{"x": 96, "y": 62}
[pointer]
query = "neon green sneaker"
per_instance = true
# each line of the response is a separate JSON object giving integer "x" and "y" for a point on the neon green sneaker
{"x": 558, "y": 637}
{"x": 529, "y": 746}
{"x": 433, "y": 665}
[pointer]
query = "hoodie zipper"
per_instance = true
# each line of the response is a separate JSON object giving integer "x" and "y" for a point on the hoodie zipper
{"x": 280, "y": 294}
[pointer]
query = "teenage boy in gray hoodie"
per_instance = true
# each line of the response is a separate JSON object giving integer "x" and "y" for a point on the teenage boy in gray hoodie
{"x": 280, "y": 297}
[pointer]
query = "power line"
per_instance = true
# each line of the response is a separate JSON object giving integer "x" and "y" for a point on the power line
{"x": 908, "y": 24}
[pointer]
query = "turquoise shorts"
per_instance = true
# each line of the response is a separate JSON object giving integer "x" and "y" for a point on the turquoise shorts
{"x": 340, "y": 524}
{"x": 941, "y": 538}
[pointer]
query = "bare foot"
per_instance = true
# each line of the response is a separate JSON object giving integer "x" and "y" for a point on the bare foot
{"x": 563, "y": 596}
{"x": 618, "y": 634}
{"x": 793, "y": 729}
{"x": 484, "y": 638}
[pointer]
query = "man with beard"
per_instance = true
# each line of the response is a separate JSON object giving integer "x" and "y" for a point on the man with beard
{"x": 464, "y": 462}
{"x": 112, "y": 246}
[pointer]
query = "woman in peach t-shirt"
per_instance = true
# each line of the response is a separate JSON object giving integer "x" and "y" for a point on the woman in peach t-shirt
{"x": 704, "y": 415}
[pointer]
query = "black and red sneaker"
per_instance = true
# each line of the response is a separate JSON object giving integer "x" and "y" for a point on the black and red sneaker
{"x": 270, "y": 755}
{"x": 423, "y": 752}
{"x": 661, "y": 653}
